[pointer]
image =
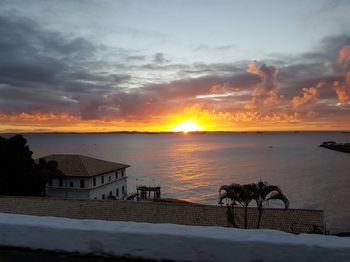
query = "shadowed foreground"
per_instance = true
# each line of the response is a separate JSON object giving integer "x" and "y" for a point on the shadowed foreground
{"x": 8, "y": 254}
{"x": 162, "y": 241}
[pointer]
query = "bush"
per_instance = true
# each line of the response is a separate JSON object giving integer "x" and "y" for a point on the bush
{"x": 20, "y": 175}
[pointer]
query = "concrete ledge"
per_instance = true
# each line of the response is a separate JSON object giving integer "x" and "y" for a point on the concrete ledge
{"x": 167, "y": 241}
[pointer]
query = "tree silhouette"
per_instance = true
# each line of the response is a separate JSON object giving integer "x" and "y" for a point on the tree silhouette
{"x": 19, "y": 174}
{"x": 263, "y": 192}
{"x": 230, "y": 192}
{"x": 244, "y": 194}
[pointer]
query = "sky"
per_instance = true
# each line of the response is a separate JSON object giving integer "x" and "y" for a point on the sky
{"x": 97, "y": 66}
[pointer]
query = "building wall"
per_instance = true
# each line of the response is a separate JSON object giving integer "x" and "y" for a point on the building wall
{"x": 290, "y": 220}
{"x": 110, "y": 189}
{"x": 94, "y": 187}
{"x": 68, "y": 194}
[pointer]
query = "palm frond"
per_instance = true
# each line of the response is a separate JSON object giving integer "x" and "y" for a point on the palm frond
{"x": 280, "y": 196}
{"x": 270, "y": 188}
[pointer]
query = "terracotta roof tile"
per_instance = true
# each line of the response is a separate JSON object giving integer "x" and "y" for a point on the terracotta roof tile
{"x": 83, "y": 166}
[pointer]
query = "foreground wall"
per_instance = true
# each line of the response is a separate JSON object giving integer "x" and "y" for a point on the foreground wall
{"x": 166, "y": 241}
{"x": 292, "y": 220}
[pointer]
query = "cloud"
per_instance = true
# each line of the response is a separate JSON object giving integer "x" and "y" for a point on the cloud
{"x": 267, "y": 75}
{"x": 341, "y": 93}
{"x": 310, "y": 96}
{"x": 166, "y": 97}
{"x": 46, "y": 75}
{"x": 272, "y": 98}
{"x": 265, "y": 92}
{"x": 45, "y": 71}
{"x": 160, "y": 58}
{"x": 222, "y": 89}
{"x": 222, "y": 48}
{"x": 340, "y": 83}
{"x": 344, "y": 54}
{"x": 343, "y": 89}
{"x": 136, "y": 58}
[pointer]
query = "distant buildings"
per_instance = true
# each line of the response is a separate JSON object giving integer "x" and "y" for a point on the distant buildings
{"x": 87, "y": 178}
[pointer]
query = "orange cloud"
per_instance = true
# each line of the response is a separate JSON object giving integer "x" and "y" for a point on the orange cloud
{"x": 222, "y": 89}
{"x": 213, "y": 120}
{"x": 39, "y": 117}
{"x": 342, "y": 90}
{"x": 272, "y": 98}
{"x": 310, "y": 96}
{"x": 341, "y": 93}
{"x": 252, "y": 104}
{"x": 51, "y": 122}
{"x": 265, "y": 92}
{"x": 344, "y": 54}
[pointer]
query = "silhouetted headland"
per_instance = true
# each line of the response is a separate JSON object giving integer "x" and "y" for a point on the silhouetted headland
{"x": 342, "y": 147}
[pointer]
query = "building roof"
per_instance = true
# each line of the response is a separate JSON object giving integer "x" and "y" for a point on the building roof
{"x": 83, "y": 166}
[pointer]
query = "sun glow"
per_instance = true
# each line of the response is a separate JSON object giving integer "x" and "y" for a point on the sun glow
{"x": 187, "y": 126}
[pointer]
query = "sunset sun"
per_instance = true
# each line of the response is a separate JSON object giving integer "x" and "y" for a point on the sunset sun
{"x": 187, "y": 126}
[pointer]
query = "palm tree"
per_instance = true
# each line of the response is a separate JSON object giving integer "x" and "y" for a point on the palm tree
{"x": 263, "y": 192}
{"x": 231, "y": 193}
{"x": 243, "y": 194}
{"x": 246, "y": 196}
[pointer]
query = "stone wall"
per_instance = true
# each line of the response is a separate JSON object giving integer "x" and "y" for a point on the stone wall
{"x": 291, "y": 220}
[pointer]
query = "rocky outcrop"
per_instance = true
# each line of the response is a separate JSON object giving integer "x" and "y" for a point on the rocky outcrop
{"x": 342, "y": 147}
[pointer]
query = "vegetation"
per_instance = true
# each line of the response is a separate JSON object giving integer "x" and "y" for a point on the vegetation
{"x": 263, "y": 192}
{"x": 231, "y": 193}
{"x": 20, "y": 175}
{"x": 244, "y": 194}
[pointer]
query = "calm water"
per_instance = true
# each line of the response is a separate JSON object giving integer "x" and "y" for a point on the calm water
{"x": 193, "y": 167}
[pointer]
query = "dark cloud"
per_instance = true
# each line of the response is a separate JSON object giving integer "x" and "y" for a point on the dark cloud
{"x": 160, "y": 58}
{"x": 165, "y": 97}
{"x": 44, "y": 70}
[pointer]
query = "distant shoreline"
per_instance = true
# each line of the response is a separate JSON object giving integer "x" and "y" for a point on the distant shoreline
{"x": 180, "y": 133}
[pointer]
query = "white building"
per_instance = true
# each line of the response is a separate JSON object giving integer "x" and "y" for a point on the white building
{"x": 87, "y": 178}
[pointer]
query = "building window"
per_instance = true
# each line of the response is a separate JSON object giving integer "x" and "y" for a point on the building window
{"x": 103, "y": 196}
{"x": 95, "y": 198}
{"x": 117, "y": 192}
{"x": 123, "y": 190}
{"x": 50, "y": 182}
{"x": 110, "y": 193}
{"x": 116, "y": 174}
{"x": 110, "y": 179}
{"x": 82, "y": 183}
{"x": 123, "y": 172}
{"x": 94, "y": 181}
{"x": 71, "y": 184}
{"x": 60, "y": 182}
{"x": 102, "y": 179}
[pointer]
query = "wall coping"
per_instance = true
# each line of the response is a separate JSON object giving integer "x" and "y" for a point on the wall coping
{"x": 167, "y": 241}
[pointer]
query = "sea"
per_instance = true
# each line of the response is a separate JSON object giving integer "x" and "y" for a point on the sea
{"x": 194, "y": 166}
